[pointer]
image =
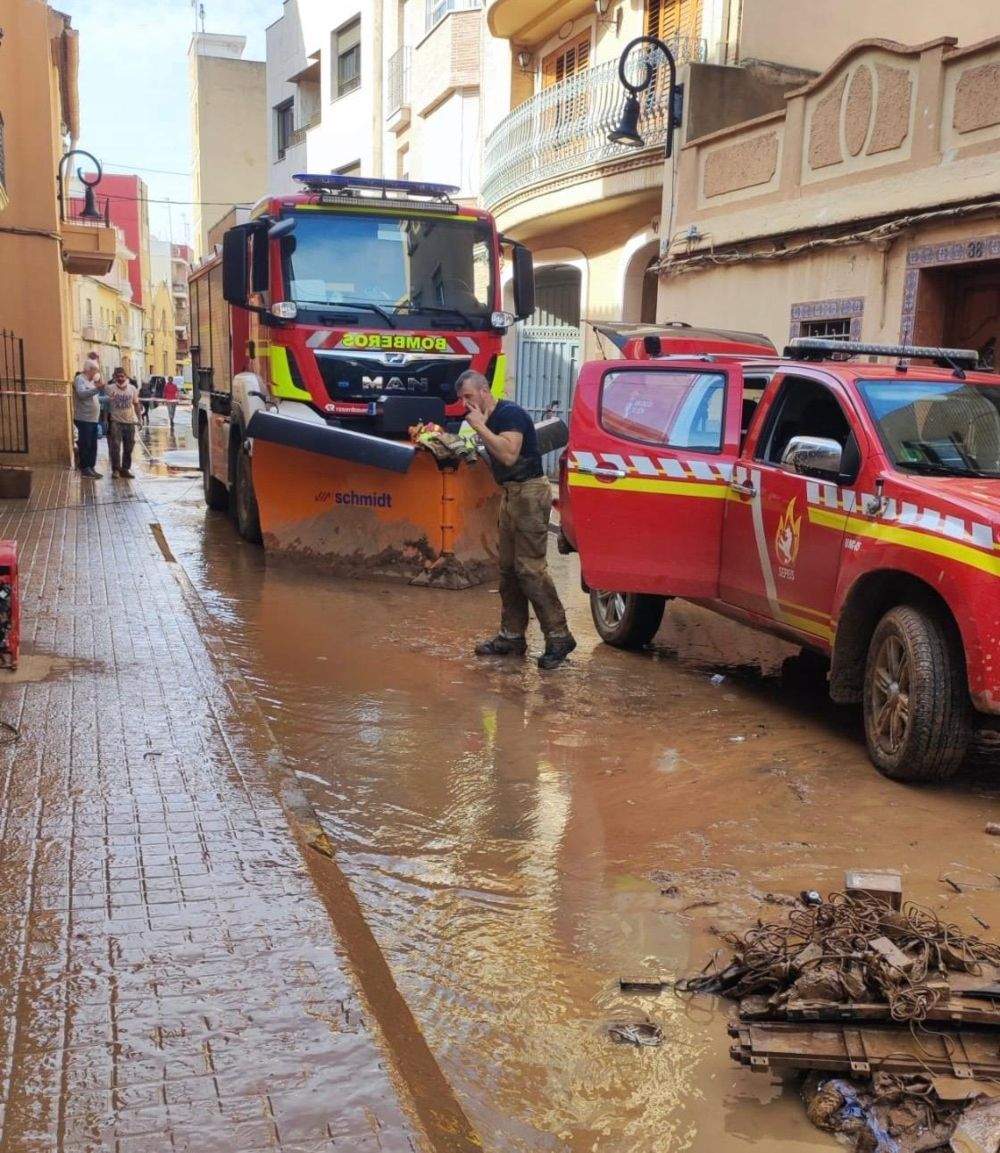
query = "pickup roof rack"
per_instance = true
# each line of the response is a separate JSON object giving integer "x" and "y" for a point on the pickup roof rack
{"x": 815, "y": 348}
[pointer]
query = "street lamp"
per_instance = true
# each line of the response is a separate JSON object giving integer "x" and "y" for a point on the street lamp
{"x": 627, "y": 131}
{"x": 90, "y": 209}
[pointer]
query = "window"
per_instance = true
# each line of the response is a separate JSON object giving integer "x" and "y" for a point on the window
{"x": 568, "y": 61}
{"x": 837, "y": 329}
{"x": 403, "y": 163}
{"x": 284, "y": 126}
{"x": 803, "y": 408}
{"x": 347, "y": 58}
{"x": 668, "y": 19}
{"x": 437, "y": 10}
{"x": 668, "y": 409}
{"x": 89, "y": 312}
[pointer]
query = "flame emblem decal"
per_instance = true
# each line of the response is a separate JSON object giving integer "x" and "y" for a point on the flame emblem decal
{"x": 786, "y": 538}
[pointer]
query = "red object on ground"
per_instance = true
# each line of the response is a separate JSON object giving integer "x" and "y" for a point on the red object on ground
{"x": 10, "y": 605}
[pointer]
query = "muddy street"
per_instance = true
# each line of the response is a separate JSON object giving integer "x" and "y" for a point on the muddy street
{"x": 517, "y": 841}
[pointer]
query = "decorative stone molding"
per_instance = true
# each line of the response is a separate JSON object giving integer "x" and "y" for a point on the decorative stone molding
{"x": 744, "y": 164}
{"x": 977, "y": 98}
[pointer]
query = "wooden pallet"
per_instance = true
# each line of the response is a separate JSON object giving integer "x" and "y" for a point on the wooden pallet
{"x": 863, "y": 1049}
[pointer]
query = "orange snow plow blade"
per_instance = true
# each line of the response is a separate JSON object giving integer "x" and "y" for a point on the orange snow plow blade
{"x": 428, "y": 525}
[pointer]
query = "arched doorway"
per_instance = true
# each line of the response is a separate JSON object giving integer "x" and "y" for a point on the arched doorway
{"x": 548, "y": 345}
{"x": 639, "y": 289}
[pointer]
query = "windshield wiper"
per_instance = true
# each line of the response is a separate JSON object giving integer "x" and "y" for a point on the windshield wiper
{"x": 331, "y": 306}
{"x": 411, "y": 306}
{"x": 936, "y": 468}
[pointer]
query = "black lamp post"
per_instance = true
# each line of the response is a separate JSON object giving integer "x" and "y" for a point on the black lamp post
{"x": 627, "y": 131}
{"x": 90, "y": 209}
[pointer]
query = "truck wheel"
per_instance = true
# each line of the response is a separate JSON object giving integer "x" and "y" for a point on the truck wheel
{"x": 216, "y": 495}
{"x": 917, "y": 714}
{"x": 245, "y": 500}
{"x": 626, "y": 620}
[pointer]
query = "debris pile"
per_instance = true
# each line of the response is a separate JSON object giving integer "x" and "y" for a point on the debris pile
{"x": 894, "y": 1015}
{"x": 446, "y": 447}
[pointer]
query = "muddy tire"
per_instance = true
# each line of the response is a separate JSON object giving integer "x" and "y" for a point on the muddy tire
{"x": 626, "y": 620}
{"x": 918, "y": 719}
{"x": 245, "y": 508}
{"x": 216, "y": 493}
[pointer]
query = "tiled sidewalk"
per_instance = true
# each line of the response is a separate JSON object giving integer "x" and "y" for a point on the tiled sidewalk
{"x": 168, "y": 975}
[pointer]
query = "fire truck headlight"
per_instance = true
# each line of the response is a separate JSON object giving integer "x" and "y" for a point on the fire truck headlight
{"x": 502, "y": 319}
{"x": 285, "y": 309}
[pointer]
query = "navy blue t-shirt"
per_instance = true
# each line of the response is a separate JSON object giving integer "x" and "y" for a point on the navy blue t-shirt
{"x": 511, "y": 417}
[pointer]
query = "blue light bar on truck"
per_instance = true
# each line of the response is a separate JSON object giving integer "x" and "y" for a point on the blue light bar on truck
{"x": 334, "y": 182}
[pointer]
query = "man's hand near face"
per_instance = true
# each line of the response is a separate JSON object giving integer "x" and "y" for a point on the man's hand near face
{"x": 476, "y": 419}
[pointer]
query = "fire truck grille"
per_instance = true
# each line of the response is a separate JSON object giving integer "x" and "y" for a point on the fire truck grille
{"x": 353, "y": 377}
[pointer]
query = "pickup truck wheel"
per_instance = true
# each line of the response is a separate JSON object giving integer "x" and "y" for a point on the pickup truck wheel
{"x": 917, "y": 713}
{"x": 216, "y": 494}
{"x": 626, "y": 620}
{"x": 245, "y": 500}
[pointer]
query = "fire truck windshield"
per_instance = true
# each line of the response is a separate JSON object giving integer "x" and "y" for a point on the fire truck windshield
{"x": 437, "y": 271}
{"x": 937, "y": 427}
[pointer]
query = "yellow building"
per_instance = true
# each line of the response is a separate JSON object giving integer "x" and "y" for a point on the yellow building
{"x": 40, "y": 245}
{"x": 105, "y": 319}
{"x": 162, "y": 330}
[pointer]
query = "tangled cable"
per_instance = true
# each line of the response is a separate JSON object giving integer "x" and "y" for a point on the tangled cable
{"x": 849, "y": 948}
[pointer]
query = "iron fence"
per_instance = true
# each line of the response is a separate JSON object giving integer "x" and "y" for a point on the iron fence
{"x": 13, "y": 398}
{"x": 565, "y": 127}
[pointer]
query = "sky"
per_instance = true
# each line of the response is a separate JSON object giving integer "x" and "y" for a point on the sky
{"x": 134, "y": 110}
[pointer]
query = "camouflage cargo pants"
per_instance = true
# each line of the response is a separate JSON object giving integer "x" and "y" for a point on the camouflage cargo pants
{"x": 524, "y": 575}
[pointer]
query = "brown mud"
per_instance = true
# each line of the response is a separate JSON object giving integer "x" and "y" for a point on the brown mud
{"x": 517, "y": 841}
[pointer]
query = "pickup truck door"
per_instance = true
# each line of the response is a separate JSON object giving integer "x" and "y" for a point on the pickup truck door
{"x": 784, "y": 532}
{"x": 651, "y": 452}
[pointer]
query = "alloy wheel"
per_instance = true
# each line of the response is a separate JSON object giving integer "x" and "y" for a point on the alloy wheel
{"x": 890, "y": 689}
{"x": 611, "y": 607}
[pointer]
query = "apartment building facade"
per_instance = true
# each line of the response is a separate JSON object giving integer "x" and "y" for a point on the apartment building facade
{"x": 387, "y": 88}
{"x": 228, "y": 129}
{"x": 866, "y": 206}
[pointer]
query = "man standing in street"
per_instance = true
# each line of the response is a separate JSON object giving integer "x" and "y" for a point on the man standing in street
{"x": 87, "y": 388}
{"x": 508, "y": 434}
{"x": 125, "y": 407}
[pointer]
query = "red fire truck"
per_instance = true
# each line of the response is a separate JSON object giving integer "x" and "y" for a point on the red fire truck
{"x": 330, "y": 323}
{"x": 851, "y": 506}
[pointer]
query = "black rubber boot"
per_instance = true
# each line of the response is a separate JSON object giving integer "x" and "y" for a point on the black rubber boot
{"x": 501, "y": 646}
{"x": 556, "y": 651}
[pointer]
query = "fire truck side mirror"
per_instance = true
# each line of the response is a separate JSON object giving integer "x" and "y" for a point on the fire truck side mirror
{"x": 524, "y": 282}
{"x": 235, "y": 266}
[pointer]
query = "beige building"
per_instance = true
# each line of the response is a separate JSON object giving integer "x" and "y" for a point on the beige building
{"x": 41, "y": 241}
{"x": 228, "y": 129}
{"x": 866, "y": 206}
{"x": 105, "y": 319}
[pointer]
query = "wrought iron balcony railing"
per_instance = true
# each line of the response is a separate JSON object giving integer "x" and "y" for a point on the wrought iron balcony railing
{"x": 397, "y": 80}
{"x": 564, "y": 128}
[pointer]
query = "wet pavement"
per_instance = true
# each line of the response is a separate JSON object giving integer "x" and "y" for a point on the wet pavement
{"x": 168, "y": 976}
{"x": 511, "y": 842}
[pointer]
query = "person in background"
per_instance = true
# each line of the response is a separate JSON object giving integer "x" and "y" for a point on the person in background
{"x": 123, "y": 399}
{"x": 171, "y": 394}
{"x": 145, "y": 394}
{"x": 88, "y": 387}
{"x": 508, "y": 434}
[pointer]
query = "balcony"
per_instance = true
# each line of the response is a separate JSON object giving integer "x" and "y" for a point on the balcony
{"x": 96, "y": 333}
{"x": 183, "y": 347}
{"x": 397, "y": 89}
{"x": 88, "y": 246}
{"x": 530, "y": 22}
{"x": 563, "y": 132}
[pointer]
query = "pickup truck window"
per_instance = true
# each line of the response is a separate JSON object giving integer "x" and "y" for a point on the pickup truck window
{"x": 937, "y": 427}
{"x": 803, "y": 407}
{"x": 664, "y": 408}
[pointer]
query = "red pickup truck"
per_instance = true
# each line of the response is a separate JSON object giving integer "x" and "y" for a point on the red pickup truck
{"x": 844, "y": 497}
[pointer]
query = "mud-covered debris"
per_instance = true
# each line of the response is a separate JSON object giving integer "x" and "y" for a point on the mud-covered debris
{"x": 978, "y": 1129}
{"x": 993, "y": 828}
{"x": 635, "y": 1033}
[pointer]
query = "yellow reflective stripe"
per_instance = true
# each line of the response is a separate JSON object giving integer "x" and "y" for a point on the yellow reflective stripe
{"x": 909, "y": 538}
{"x": 499, "y": 385}
{"x": 649, "y": 484}
{"x": 281, "y": 376}
{"x": 803, "y": 624}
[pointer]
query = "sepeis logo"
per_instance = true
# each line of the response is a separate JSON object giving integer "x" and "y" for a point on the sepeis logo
{"x": 396, "y": 341}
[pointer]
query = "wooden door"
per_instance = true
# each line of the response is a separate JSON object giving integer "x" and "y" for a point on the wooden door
{"x": 974, "y": 313}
